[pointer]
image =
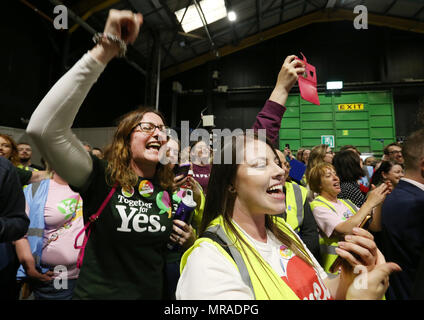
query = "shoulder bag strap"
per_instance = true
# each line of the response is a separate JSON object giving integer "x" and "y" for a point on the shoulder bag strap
{"x": 91, "y": 219}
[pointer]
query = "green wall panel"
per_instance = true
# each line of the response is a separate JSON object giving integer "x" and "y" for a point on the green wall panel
{"x": 317, "y": 125}
{"x": 316, "y": 133}
{"x": 304, "y": 123}
{"x": 352, "y": 133}
{"x": 382, "y": 133}
{"x": 352, "y": 125}
{"x": 359, "y": 142}
{"x": 323, "y": 99}
{"x": 380, "y": 97}
{"x": 381, "y": 110}
{"x": 294, "y": 144}
{"x": 290, "y": 134}
{"x": 377, "y": 146}
{"x": 317, "y": 109}
{"x": 290, "y": 123}
{"x": 317, "y": 116}
{"x": 311, "y": 142}
{"x": 349, "y": 116}
{"x": 381, "y": 121}
{"x": 291, "y": 112}
{"x": 293, "y": 100}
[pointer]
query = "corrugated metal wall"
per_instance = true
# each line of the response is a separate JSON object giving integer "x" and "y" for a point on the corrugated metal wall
{"x": 363, "y": 119}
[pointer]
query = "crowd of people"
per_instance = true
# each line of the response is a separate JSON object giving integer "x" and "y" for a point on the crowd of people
{"x": 125, "y": 224}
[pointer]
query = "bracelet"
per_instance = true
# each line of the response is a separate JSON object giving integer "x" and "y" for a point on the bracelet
{"x": 99, "y": 37}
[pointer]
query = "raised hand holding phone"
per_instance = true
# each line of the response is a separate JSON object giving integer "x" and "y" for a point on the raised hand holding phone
{"x": 308, "y": 83}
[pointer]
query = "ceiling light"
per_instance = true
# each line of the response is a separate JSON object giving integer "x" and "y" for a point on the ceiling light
{"x": 212, "y": 9}
{"x": 232, "y": 16}
{"x": 334, "y": 85}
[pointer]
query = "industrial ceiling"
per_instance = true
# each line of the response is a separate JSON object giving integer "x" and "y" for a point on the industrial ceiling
{"x": 163, "y": 40}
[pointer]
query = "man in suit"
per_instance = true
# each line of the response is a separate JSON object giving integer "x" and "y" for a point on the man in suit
{"x": 403, "y": 220}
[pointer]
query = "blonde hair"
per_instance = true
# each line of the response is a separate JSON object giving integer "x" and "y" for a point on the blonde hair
{"x": 316, "y": 156}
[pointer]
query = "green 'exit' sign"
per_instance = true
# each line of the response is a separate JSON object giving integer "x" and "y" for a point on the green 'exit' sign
{"x": 328, "y": 140}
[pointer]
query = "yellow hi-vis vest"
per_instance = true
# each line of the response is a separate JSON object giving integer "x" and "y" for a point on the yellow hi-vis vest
{"x": 328, "y": 245}
{"x": 27, "y": 168}
{"x": 295, "y": 200}
{"x": 256, "y": 274}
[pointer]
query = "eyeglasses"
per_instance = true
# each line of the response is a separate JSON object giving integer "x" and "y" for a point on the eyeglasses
{"x": 395, "y": 152}
{"x": 148, "y": 127}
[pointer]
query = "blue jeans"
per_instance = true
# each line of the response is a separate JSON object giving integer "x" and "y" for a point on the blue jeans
{"x": 47, "y": 291}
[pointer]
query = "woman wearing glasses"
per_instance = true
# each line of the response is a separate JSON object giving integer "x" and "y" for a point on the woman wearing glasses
{"x": 125, "y": 255}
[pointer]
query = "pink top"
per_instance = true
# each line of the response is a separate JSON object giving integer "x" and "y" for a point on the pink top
{"x": 63, "y": 220}
{"x": 327, "y": 219}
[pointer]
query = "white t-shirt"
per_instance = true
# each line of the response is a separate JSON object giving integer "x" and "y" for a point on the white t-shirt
{"x": 208, "y": 274}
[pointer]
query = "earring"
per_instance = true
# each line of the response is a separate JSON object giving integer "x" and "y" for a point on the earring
{"x": 232, "y": 189}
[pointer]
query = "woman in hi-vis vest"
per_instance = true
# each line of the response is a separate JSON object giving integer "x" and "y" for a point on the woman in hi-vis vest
{"x": 244, "y": 252}
{"x": 337, "y": 218}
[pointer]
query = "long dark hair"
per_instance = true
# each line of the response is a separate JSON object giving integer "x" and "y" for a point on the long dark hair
{"x": 385, "y": 167}
{"x": 220, "y": 200}
{"x": 348, "y": 166}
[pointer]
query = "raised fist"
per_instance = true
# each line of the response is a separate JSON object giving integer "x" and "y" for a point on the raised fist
{"x": 124, "y": 24}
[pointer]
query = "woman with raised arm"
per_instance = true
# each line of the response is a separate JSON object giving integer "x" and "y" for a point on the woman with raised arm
{"x": 245, "y": 252}
{"x": 337, "y": 218}
{"x": 125, "y": 253}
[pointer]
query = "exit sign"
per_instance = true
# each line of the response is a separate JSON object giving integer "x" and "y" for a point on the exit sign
{"x": 329, "y": 140}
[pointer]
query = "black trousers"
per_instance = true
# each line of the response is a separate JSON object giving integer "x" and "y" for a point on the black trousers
{"x": 8, "y": 285}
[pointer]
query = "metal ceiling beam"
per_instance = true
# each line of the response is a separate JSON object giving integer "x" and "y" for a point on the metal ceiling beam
{"x": 89, "y": 13}
{"x": 259, "y": 14}
{"x": 330, "y": 4}
{"x": 390, "y": 7}
{"x": 236, "y": 39}
{"x": 305, "y": 4}
{"x": 251, "y": 22}
{"x": 174, "y": 37}
{"x": 312, "y": 3}
{"x": 92, "y": 31}
{"x": 205, "y": 25}
{"x": 172, "y": 19}
{"x": 415, "y": 16}
{"x": 319, "y": 16}
{"x": 271, "y": 4}
{"x": 283, "y": 4}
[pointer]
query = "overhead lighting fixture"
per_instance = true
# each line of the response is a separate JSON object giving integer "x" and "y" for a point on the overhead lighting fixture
{"x": 212, "y": 9}
{"x": 334, "y": 85}
{"x": 232, "y": 16}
